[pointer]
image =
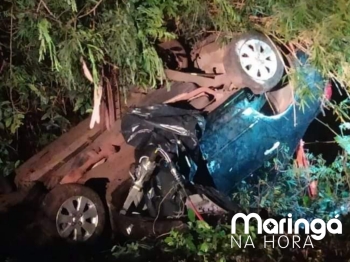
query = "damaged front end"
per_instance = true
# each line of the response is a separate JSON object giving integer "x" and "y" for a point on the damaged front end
{"x": 182, "y": 145}
{"x": 239, "y": 138}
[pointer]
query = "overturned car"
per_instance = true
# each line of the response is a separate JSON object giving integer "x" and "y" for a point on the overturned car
{"x": 174, "y": 150}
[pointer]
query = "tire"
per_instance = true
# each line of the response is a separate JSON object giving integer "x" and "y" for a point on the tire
{"x": 93, "y": 216}
{"x": 239, "y": 62}
{"x": 162, "y": 94}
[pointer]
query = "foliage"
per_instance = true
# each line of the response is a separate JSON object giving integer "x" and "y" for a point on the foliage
{"x": 205, "y": 242}
{"x": 201, "y": 242}
{"x": 293, "y": 182}
{"x": 44, "y": 42}
{"x": 316, "y": 27}
{"x": 43, "y": 91}
{"x": 285, "y": 194}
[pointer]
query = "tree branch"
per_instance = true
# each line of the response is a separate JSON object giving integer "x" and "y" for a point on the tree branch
{"x": 92, "y": 10}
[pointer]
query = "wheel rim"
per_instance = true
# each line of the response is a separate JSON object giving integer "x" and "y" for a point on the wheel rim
{"x": 258, "y": 59}
{"x": 77, "y": 219}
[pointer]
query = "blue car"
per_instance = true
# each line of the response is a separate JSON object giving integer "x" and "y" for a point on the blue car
{"x": 203, "y": 155}
{"x": 186, "y": 150}
{"x": 238, "y": 138}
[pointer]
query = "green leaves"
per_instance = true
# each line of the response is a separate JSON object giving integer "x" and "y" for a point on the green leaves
{"x": 344, "y": 142}
{"x": 202, "y": 242}
{"x": 191, "y": 215}
{"x": 226, "y": 17}
{"x": 289, "y": 191}
{"x": 317, "y": 28}
{"x": 16, "y": 122}
{"x": 169, "y": 241}
{"x": 73, "y": 5}
{"x": 46, "y": 79}
{"x": 204, "y": 247}
{"x": 47, "y": 44}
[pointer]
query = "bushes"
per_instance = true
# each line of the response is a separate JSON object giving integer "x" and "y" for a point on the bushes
{"x": 43, "y": 91}
{"x": 42, "y": 87}
{"x": 43, "y": 43}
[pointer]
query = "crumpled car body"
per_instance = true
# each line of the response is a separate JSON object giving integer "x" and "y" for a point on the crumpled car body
{"x": 250, "y": 59}
{"x": 249, "y": 135}
{"x": 238, "y": 138}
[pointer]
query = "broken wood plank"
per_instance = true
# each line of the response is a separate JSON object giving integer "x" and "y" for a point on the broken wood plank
{"x": 59, "y": 150}
{"x": 46, "y": 153}
{"x": 115, "y": 168}
{"x": 55, "y": 159}
{"x": 75, "y": 167}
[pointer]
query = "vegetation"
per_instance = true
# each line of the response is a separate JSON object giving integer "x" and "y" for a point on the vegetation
{"x": 43, "y": 91}
{"x": 286, "y": 194}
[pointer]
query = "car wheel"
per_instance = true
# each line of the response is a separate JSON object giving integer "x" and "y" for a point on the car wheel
{"x": 253, "y": 57}
{"x": 75, "y": 213}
